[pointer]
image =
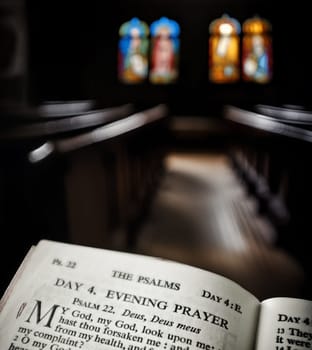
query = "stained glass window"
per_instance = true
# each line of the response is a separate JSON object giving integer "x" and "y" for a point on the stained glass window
{"x": 224, "y": 50}
{"x": 133, "y": 51}
{"x": 257, "y": 50}
{"x": 164, "y": 51}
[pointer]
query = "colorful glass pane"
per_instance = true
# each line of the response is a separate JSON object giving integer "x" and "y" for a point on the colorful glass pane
{"x": 257, "y": 51}
{"x": 224, "y": 42}
{"x": 164, "y": 51}
{"x": 133, "y": 51}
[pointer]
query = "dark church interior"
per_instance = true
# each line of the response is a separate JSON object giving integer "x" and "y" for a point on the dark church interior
{"x": 213, "y": 175}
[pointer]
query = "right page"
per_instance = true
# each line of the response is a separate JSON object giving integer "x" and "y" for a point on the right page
{"x": 285, "y": 324}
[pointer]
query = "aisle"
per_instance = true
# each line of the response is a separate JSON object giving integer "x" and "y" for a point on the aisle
{"x": 203, "y": 216}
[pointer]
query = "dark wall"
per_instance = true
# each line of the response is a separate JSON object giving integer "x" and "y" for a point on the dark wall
{"x": 73, "y": 52}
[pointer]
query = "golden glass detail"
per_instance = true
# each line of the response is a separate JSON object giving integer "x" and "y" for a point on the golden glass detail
{"x": 224, "y": 50}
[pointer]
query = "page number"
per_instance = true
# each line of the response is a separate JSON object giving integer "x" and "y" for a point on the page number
{"x": 69, "y": 263}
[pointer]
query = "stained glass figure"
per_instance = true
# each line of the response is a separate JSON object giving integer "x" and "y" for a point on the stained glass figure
{"x": 257, "y": 50}
{"x": 133, "y": 51}
{"x": 164, "y": 51}
{"x": 224, "y": 50}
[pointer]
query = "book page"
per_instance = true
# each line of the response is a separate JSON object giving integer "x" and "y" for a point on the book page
{"x": 71, "y": 297}
{"x": 285, "y": 324}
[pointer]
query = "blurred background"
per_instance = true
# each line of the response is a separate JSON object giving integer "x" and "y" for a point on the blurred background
{"x": 212, "y": 174}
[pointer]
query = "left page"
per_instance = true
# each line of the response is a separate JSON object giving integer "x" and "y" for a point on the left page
{"x": 70, "y": 297}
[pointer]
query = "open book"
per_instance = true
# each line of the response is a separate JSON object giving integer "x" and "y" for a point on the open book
{"x": 70, "y": 297}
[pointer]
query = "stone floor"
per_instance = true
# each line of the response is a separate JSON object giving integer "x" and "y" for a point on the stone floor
{"x": 203, "y": 216}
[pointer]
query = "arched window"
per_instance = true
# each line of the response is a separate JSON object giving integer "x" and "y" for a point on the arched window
{"x": 164, "y": 51}
{"x": 224, "y": 54}
{"x": 133, "y": 51}
{"x": 257, "y": 50}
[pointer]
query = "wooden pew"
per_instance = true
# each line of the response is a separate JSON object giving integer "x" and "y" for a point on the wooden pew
{"x": 32, "y": 195}
{"x": 111, "y": 175}
{"x": 33, "y": 124}
{"x": 276, "y": 149}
